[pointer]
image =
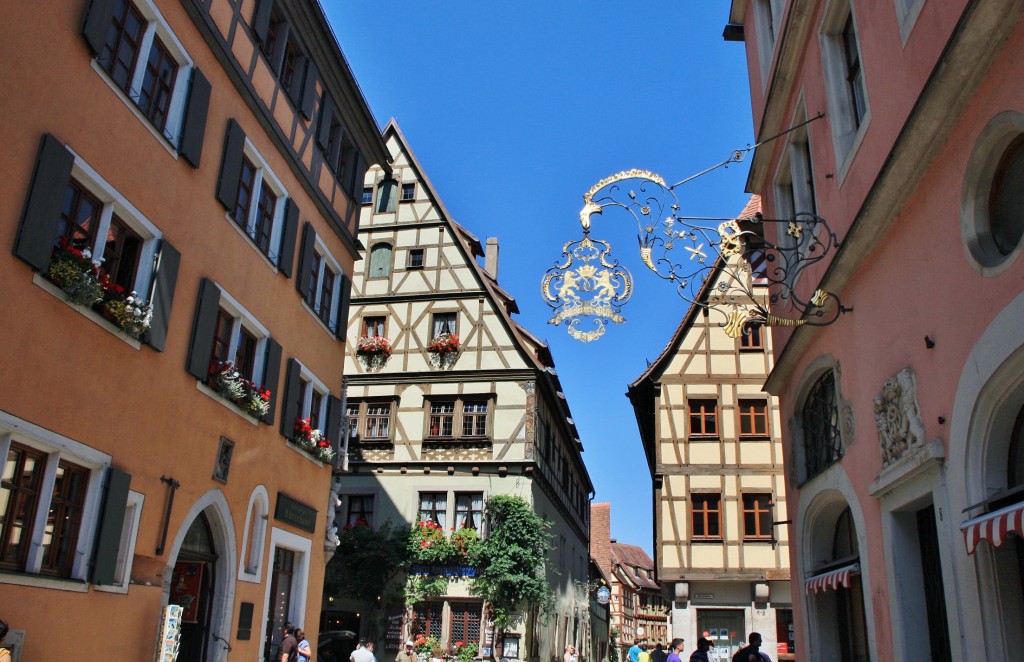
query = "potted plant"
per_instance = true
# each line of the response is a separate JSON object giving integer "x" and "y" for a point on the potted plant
{"x": 132, "y": 314}
{"x": 374, "y": 351}
{"x": 312, "y": 441}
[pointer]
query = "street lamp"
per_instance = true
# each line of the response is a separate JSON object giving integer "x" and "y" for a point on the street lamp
{"x": 587, "y": 283}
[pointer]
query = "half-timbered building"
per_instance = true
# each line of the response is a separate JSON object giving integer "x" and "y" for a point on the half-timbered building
{"x": 155, "y": 500}
{"x": 713, "y": 442}
{"x": 449, "y": 402}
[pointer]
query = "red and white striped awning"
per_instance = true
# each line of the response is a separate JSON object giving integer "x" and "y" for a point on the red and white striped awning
{"x": 993, "y": 527}
{"x": 832, "y": 579}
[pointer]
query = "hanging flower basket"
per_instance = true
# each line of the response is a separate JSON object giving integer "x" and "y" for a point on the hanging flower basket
{"x": 373, "y": 352}
{"x": 444, "y": 350}
{"x": 312, "y": 440}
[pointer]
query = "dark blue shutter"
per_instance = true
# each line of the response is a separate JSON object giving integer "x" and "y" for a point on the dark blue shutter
{"x": 302, "y": 282}
{"x": 355, "y": 186}
{"x": 308, "y": 97}
{"x": 111, "y": 523}
{"x": 204, "y": 326}
{"x": 98, "y": 18}
{"x": 261, "y": 18}
{"x": 333, "y": 428}
{"x": 165, "y": 279}
{"x": 41, "y": 216}
{"x": 323, "y": 133}
{"x": 343, "y": 305}
{"x": 231, "y": 165}
{"x": 286, "y": 256}
{"x": 271, "y": 375}
{"x": 290, "y": 409}
{"x": 194, "y": 127}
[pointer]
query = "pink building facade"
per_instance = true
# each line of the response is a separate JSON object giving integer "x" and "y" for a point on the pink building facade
{"x": 905, "y": 452}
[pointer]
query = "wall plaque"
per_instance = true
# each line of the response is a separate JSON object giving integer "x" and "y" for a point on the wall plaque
{"x": 295, "y": 513}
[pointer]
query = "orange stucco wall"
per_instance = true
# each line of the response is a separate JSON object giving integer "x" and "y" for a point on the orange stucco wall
{"x": 66, "y": 374}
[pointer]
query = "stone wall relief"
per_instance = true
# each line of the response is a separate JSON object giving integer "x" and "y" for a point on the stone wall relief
{"x": 898, "y": 417}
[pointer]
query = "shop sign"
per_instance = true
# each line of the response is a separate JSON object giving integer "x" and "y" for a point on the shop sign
{"x": 443, "y": 570}
{"x": 603, "y": 595}
{"x": 294, "y": 512}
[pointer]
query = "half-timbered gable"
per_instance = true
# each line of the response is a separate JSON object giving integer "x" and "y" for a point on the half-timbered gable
{"x": 450, "y": 400}
{"x": 712, "y": 437}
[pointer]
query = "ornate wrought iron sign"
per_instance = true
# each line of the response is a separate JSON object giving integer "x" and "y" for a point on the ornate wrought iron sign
{"x": 588, "y": 283}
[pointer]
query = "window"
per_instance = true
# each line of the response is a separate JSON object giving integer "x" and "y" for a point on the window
{"x": 322, "y": 287}
{"x": 380, "y": 261}
{"x": 757, "y": 516}
{"x": 52, "y": 503}
{"x": 259, "y": 204}
{"x": 434, "y": 507}
{"x": 444, "y": 323}
{"x": 844, "y": 80}
{"x": 341, "y": 154}
{"x": 427, "y": 619}
{"x": 360, "y": 509}
{"x": 767, "y": 21}
{"x": 144, "y": 62}
{"x": 753, "y": 418}
{"x": 367, "y": 195}
{"x": 820, "y": 426}
{"x": 707, "y": 516}
{"x": 95, "y": 217}
{"x": 386, "y": 194}
{"x": 751, "y": 340}
{"x": 465, "y": 624}
{"x": 374, "y": 326}
{"x": 378, "y": 420}
{"x": 415, "y": 258}
{"x": 1006, "y": 199}
{"x": 469, "y": 510}
{"x": 408, "y": 192}
{"x": 285, "y": 56}
{"x": 458, "y": 419}
{"x": 224, "y": 331}
{"x": 311, "y": 398}
{"x": 703, "y": 418}
{"x": 370, "y": 421}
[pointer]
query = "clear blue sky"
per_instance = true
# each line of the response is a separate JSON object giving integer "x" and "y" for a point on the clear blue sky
{"x": 515, "y": 109}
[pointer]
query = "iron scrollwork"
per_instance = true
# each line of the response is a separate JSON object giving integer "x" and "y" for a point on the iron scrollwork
{"x": 758, "y": 280}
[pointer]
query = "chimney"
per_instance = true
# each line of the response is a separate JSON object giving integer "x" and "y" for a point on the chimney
{"x": 491, "y": 258}
{"x": 600, "y": 535}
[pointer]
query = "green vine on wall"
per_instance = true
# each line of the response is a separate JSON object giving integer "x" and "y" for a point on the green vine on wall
{"x": 510, "y": 562}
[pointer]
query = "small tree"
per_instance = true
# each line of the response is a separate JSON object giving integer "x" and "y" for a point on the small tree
{"x": 368, "y": 566}
{"x": 510, "y": 562}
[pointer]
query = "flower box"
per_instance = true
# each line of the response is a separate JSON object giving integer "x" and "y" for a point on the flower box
{"x": 373, "y": 351}
{"x": 312, "y": 441}
{"x": 231, "y": 385}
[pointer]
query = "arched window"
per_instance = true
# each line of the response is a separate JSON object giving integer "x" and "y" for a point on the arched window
{"x": 820, "y": 421}
{"x": 849, "y": 602}
{"x": 380, "y": 261}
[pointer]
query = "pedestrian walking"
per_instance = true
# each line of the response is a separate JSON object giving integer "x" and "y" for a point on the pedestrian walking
{"x": 674, "y": 649}
{"x": 701, "y": 654}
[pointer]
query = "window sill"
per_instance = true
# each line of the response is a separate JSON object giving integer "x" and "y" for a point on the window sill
{"x": 751, "y": 350}
{"x": 323, "y": 324}
{"x": 764, "y": 541}
{"x": 213, "y": 395}
{"x": 40, "y": 581}
{"x": 758, "y": 437}
{"x": 714, "y": 439}
{"x": 475, "y": 442}
{"x": 295, "y": 447}
{"x": 88, "y": 313}
{"x": 160, "y": 137}
{"x": 713, "y": 541}
{"x": 249, "y": 240}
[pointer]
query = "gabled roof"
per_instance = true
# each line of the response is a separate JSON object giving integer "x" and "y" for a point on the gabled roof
{"x": 534, "y": 351}
{"x": 641, "y": 391}
{"x": 628, "y": 557}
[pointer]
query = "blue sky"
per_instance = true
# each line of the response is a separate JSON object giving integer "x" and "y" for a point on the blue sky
{"x": 514, "y": 110}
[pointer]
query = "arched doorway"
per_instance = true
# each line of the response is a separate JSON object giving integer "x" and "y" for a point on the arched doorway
{"x": 192, "y": 587}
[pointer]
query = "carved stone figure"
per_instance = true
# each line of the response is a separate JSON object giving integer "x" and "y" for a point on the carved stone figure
{"x": 898, "y": 417}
